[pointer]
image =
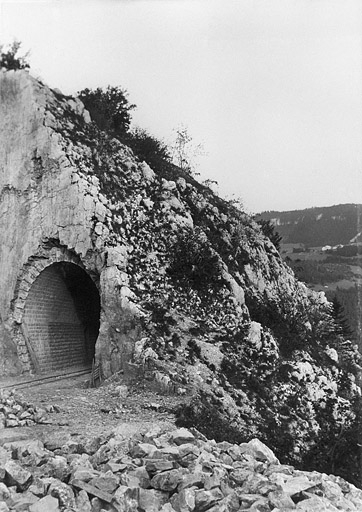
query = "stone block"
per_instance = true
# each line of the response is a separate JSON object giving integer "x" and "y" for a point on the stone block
{"x": 18, "y": 476}
{"x": 46, "y": 504}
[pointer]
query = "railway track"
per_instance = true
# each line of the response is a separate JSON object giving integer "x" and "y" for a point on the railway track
{"x": 33, "y": 382}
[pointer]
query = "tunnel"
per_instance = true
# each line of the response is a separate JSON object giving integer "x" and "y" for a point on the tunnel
{"x": 61, "y": 318}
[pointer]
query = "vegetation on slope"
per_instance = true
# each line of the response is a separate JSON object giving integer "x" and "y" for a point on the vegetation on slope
{"x": 10, "y": 57}
{"x": 319, "y": 226}
{"x": 222, "y": 312}
{"x": 289, "y": 381}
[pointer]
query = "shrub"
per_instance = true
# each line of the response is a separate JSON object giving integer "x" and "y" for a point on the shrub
{"x": 109, "y": 109}
{"x": 239, "y": 242}
{"x": 204, "y": 414}
{"x": 337, "y": 448}
{"x": 9, "y": 58}
{"x": 194, "y": 263}
{"x": 148, "y": 148}
{"x": 269, "y": 231}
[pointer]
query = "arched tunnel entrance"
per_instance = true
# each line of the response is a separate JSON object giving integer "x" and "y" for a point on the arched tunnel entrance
{"x": 61, "y": 317}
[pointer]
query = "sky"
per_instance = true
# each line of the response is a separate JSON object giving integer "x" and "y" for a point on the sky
{"x": 271, "y": 88}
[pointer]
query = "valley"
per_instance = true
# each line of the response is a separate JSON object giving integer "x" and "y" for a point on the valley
{"x": 323, "y": 247}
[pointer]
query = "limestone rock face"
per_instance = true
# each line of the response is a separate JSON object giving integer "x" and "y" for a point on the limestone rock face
{"x": 9, "y": 361}
{"x": 52, "y": 211}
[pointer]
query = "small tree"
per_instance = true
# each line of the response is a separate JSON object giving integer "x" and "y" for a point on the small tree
{"x": 269, "y": 230}
{"x": 340, "y": 318}
{"x": 109, "y": 109}
{"x": 184, "y": 151}
{"x": 10, "y": 59}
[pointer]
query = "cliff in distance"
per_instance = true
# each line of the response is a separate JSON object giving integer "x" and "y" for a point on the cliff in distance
{"x": 145, "y": 266}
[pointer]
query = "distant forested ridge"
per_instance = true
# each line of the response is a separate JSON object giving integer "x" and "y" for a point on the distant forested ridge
{"x": 337, "y": 269}
{"x": 319, "y": 226}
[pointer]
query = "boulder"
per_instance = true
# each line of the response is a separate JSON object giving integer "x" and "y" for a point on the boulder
{"x": 296, "y": 485}
{"x": 182, "y": 436}
{"x": 22, "y": 501}
{"x": 158, "y": 465}
{"x": 206, "y": 499}
{"x": 151, "y": 500}
{"x": 107, "y": 482}
{"x": 18, "y": 476}
{"x": 83, "y": 503}
{"x": 167, "y": 480}
{"x": 279, "y": 499}
{"x": 184, "y": 501}
{"x": 46, "y": 504}
{"x": 259, "y": 451}
{"x": 64, "y": 494}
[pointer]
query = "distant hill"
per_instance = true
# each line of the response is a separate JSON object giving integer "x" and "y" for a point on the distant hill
{"x": 338, "y": 271}
{"x": 319, "y": 226}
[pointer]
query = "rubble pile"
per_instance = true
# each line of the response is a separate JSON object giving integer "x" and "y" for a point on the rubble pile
{"x": 174, "y": 471}
{"x": 16, "y": 412}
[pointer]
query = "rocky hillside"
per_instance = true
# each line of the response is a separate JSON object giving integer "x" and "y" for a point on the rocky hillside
{"x": 319, "y": 226}
{"x": 213, "y": 310}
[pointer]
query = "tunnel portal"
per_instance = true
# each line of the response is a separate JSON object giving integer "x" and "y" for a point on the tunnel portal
{"x": 61, "y": 318}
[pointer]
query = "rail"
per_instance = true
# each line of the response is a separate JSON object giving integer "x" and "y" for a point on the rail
{"x": 46, "y": 379}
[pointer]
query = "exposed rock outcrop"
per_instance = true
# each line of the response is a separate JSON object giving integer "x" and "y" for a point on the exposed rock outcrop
{"x": 53, "y": 211}
{"x": 170, "y": 269}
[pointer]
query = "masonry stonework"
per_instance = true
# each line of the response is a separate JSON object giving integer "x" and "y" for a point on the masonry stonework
{"x": 55, "y": 320}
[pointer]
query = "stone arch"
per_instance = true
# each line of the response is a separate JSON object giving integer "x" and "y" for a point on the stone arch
{"x": 56, "y": 312}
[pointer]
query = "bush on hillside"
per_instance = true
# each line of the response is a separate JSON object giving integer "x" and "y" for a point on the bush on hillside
{"x": 194, "y": 263}
{"x": 148, "y": 148}
{"x": 10, "y": 58}
{"x": 203, "y": 412}
{"x": 268, "y": 230}
{"x": 185, "y": 152}
{"x": 109, "y": 108}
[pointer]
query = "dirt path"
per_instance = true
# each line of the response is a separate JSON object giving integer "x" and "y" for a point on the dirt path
{"x": 88, "y": 412}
